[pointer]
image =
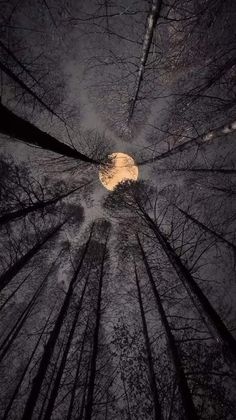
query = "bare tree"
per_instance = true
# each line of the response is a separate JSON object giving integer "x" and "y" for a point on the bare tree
{"x": 20, "y": 129}
{"x": 187, "y": 401}
{"x": 153, "y": 386}
{"x": 89, "y": 402}
{"x": 48, "y": 351}
{"x": 12, "y": 271}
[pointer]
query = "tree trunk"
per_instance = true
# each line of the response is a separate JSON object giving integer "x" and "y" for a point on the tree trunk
{"x": 201, "y": 139}
{"x": 12, "y": 55}
{"x": 147, "y": 42}
{"x": 12, "y": 335}
{"x": 152, "y": 379}
{"x": 73, "y": 391}
{"x": 57, "y": 382}
{"x": 6, "y": 277}
{"x": 49, "y": 348}
{"x": 81, "y": 408}
{"x": 197, "y": 92}
{"x": 50, "y": 382}
{"x": 89, "y": 402}
{"x": 210, "y": 171}
{"x": 15, "y": 393}
{"x": 185, "y": 393}
{"x": 207, "y": 229}
{"x": 20, "y": 129}
{"x": 15, "y": 291}
{"x": 16, "y": 79}
{"x": 106, "y": 409}
{"x": 8, "y": 217}
{"x": 189, "y": 283}
{"x": 203, "y": 171}
{"x": 127, "y": 399}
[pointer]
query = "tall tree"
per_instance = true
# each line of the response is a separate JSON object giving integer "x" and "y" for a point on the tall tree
{"x": 190, "y": 411}
{"x": 91, "y": 382}
{"x": 18, "y": 325}
{"x": 189, "y": 282}
{"x": 49, "y": 348}
{"x": 73, "y": 391}
{"x": 12, "y": 271}
{"x": 137, "y": 198}
{"x": 200, "y": 139}
{"x": 56, "y": 385}
{"x": 22, "y": 376}
{"x": 153, "y": 385}
{"x": 152, "y": 19}
{"x": 40, "y": 205}
{"x": 20, "y": 129}
{"x": 207, "y": 229}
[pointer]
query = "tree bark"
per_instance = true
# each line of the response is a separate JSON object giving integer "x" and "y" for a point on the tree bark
{"x": 157, "y": 406}
{"x": 185, "y": 393}
{"x": 20, "y": 129}
{"x": 49, "y": 348}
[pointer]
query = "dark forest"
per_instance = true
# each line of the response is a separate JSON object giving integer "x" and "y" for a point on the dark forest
{"x": 117, "y": 210}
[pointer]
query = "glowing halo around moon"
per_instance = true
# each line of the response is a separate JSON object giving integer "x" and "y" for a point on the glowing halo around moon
{"x": 121, "y": 167}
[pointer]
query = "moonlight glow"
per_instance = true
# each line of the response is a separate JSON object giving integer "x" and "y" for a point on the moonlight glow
{"x": 121, "y": 167}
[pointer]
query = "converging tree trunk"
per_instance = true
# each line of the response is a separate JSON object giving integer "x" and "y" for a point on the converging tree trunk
{"x": 189, "y": 283}
{"x": 81, "y": 408}
{"x": 185, "y": 393}
{"x": 15, "y": 330}
{"x": 147, "y": 42}
{"x": 210, "y": 171}
{"x": 51, "y": 379}
{"x": 90, "y": 392}
{"x": 152, "y": 379}
{"x": 20, "y": 82}
{"x": 21, "y": 379}
{"x": 6, "y": 277}
{"x": 207, "y": 229}
{"x": 15, "y": 291}
{"x": 49, "y": 348}
{"x": 195, "y": 141}
{"x": 73, "y": 391}
{"x": 56, "y": 385}
{"x": 40, "y": 205}
{"x": 20, "y": 129}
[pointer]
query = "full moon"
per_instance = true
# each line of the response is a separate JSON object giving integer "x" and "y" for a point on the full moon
{"x": 121, "y": 167}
